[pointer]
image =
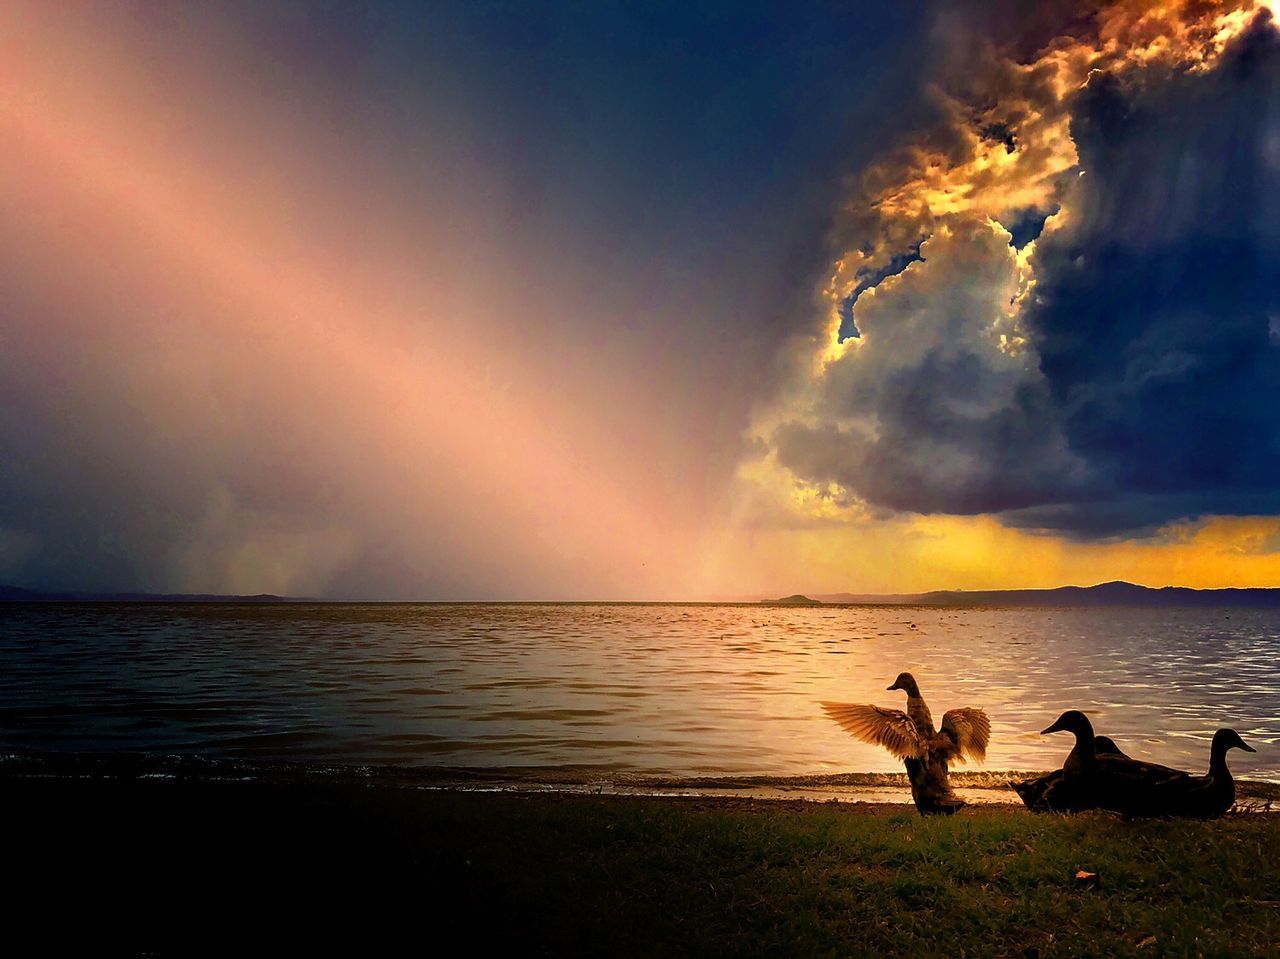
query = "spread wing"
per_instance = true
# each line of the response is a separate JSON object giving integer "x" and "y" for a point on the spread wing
{"x": 969, "y": 730}
{"x": 890, "y": 728}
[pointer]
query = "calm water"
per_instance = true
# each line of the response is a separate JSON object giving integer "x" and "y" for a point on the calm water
{"x": 654, "y": 689}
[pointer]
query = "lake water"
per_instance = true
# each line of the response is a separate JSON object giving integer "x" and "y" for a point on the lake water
{"x": 669, "y": 690}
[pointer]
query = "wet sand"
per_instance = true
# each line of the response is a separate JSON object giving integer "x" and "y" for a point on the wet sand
{"x": 892, "y": 788}
{"x": 979, "y": 787}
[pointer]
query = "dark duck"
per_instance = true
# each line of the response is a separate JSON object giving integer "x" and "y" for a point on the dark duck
{"x": 1031, "y": 791}
{"x": 911, "y": 737}
{"x": 1094, "y": 780}
{"x": 1210, "y": 795}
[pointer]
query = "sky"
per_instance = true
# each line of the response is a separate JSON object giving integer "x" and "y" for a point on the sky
{"x": 638, "y": 300}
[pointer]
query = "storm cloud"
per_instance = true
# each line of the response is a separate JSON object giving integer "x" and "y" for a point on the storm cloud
{"x": 1120, "y": 371}
{"x": 934, "y": 415}
{"x": 1153, "y": 314}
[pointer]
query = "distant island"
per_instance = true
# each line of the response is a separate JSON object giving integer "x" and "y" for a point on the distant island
{"x": 1104, "y": 594}
{"x": 795, "y": 599}
{"x": 16, "y": 594}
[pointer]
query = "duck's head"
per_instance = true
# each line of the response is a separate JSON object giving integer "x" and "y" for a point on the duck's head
{"x": 1072, "y": 721}
{"x": 1225, "y": 739}
{"x": 907, "y": 683}
{"x": 1106, "y": 745}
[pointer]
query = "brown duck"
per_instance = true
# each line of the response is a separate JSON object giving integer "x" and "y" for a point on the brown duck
{"x": 1210, "y": 795}
{"x": 911, "y": 737}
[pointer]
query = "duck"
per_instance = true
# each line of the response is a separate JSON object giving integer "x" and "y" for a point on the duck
{"x": 1031, "y": 791}
{"x": 1091, "y": 780}
{"x": 912, "y": 737}
{"x": 1210, "y": 795}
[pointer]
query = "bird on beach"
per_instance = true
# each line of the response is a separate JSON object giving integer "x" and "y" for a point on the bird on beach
{"x": 1031, "y": 791}
{"x": 1210, "y": 795}
{"x": 1094, "y": 780}
{"x": 911, "y": 737}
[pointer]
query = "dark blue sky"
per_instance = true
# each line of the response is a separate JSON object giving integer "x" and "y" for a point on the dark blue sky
{"x": 701, "y": 138}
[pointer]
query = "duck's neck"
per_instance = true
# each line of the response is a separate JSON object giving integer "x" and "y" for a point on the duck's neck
{"x": 1084, "y": 754}
{"x": 919, "y": 713}
{"x": 1218, "y": 761}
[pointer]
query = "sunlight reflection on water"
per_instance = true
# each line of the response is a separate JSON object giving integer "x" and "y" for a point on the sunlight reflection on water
{"x": 653, "y": 689}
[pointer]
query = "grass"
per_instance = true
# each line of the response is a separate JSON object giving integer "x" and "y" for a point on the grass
{"x": 172, "y": 869}
{"x": 637, "y": 877}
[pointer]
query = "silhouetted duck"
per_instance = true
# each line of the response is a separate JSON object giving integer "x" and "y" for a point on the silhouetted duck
{"x": 1106, "y": 746}
{"x": 1031, "y": 791}
{"x": 1102, "y": 781}
{"x": 912, "y": 737}
{"x": 1210, "y": 795}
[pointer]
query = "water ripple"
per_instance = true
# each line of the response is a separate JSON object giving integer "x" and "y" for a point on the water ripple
{"x": 681, "y": 690}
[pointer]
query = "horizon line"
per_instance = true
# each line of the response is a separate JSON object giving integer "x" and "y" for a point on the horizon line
{"x": 862, "y": 598}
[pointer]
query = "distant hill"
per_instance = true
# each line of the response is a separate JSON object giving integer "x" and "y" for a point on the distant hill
{"x": 795, "y": 599}
{"x": 16, "y": 594}
{"x": 1104, "y": 594}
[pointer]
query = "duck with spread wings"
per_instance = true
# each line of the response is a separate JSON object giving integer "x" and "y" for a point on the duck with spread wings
{"x": 911, "y": 737}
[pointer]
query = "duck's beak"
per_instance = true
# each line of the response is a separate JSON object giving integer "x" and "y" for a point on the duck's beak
{"x": 894, "y": 686}
{"x": 1055, "y": 728}
{"x": 1246, "y": 747}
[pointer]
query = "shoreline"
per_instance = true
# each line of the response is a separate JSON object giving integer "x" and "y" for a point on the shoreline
{"x": 978, "y": 787}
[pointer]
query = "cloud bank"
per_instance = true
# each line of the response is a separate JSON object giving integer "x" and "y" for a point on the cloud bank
{"x": 1059, "y": 305}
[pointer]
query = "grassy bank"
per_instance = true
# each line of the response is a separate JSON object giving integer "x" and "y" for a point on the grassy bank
{"x": 173, "y": 869}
